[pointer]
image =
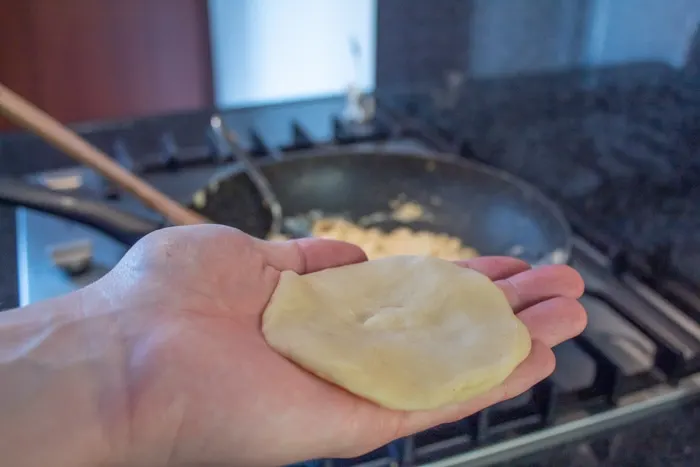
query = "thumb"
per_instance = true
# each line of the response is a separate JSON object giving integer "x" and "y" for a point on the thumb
{"x": 310, "y": 254}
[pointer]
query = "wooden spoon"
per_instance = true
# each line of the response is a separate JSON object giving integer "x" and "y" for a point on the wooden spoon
{"x": 25, "y": 114}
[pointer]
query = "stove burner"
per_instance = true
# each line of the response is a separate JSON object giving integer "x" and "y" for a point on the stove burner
{"x": 74, "y": 258}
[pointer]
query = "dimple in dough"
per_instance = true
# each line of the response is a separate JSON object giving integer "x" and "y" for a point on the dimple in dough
{"x": 406, "y": 332}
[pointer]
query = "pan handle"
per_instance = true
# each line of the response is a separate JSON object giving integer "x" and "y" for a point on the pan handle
{"x": 122, "y": 226}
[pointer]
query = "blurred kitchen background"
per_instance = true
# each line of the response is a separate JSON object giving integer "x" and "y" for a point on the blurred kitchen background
{"x": 85, "y": 60}
{"x": 596, "y": 102}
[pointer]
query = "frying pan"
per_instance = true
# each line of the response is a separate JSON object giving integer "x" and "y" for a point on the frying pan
{"x": 488, "y": 209}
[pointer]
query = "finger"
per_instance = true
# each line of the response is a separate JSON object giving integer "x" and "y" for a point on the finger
{"x": 555, "y": 320}
{"x": 536, "y": 367}
{"x": 310, "y": 254}
{"x": 536, "y": 285}
{"x": 496, "y": 267}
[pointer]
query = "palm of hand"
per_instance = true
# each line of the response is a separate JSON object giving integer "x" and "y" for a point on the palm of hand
{"x": 206, "y": 387}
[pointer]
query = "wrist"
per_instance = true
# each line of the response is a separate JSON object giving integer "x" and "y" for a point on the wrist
{"x": 62, "y": 397}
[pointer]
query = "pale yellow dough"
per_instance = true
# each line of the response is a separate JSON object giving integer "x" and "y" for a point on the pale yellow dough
{"x": 406, "y": 332}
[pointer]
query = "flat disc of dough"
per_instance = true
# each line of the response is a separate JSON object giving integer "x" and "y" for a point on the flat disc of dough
{"x": 406, "y": 332}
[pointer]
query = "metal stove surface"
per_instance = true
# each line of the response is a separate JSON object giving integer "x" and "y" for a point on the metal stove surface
{"x": 637, "y": 355}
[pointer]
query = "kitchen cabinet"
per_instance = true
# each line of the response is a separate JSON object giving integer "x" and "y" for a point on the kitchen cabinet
{"x": 104, "y": 59}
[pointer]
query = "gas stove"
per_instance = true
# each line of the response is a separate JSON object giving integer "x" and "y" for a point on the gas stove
{"x": 639, "y": 355}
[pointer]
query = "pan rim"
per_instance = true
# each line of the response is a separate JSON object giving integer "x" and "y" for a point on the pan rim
{"x": 526, "y": 188}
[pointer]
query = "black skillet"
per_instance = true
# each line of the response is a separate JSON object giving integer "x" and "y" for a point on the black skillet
{"x": 488, "y": 209}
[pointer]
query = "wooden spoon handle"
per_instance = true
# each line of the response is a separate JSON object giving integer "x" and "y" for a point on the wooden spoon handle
{"x": 25, "y": 114}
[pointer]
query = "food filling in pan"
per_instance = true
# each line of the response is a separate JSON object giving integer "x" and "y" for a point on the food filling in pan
{"x": 400, "y": 241}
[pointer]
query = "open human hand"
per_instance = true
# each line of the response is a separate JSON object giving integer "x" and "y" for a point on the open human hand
{"x": 203, "y": 387}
